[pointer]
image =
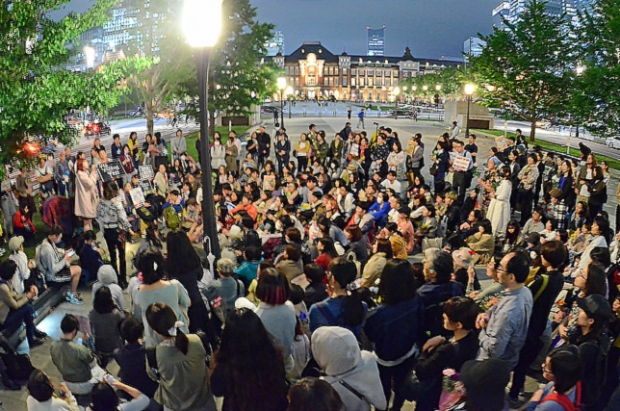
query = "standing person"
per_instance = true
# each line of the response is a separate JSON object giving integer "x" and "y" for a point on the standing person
{"x": 264, "y": 146}
{"x": 417, "y": 156}
{"x": 360, "y": 119}
{"x": 183, "y": 264}
{"x": 112, "y": 218}
{"x": 283, "y": 151}
{"x": 56, "y": 267}
{"x": 454, "y": 131}
{"x": 86, "y": 197}
{"x": 180, "y": 363}
{"x": 134, "y": 147}
{"x": 349, "y": 110}
{"x": 395, "y": 328}
{"x": 155, "y": 289}
{"x": 9, "y": 202}
{"x": 105, "y": 319}
{"x": 117, "y": 147}
{"x": 527, "y": 179}
{"x": 126, "y": 159}
{"x": 503, "y": 330}
{"x": 499, "y": 209}
{"x": 24, "y": 190}
{"x": 62, "y": 174}
{"x": 461, "y": 173}
{"x": 236, "y": 365}
{"x": 545, "y": 289}
{"x": 252, "y": 145}
{"x": 231, "y": 156}
{"x": 218, "y": 152}
{"x": 178, "y": 145}
{"x": 302, "y": 149}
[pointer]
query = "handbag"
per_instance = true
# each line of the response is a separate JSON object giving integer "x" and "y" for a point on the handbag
{"x": 18, "y": 366}
{"x": 433, "y": 170}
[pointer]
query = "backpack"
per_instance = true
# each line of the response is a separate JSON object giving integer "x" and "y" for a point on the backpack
{"x": 564, "y": 401}
{"x": 172, "y": 218}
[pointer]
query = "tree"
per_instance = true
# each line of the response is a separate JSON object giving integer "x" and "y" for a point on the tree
{"x": 596, "y": 98}
{"x": 237, "y": 77}
{"x": 36, "y": 90}
{"x": 451, "y": 80}
{"x": 528, "y": 65}
{"x": 159, "y": 37}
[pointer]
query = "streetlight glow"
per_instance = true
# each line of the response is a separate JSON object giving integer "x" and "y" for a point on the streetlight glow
{"x": 202, "y": 22}
{"x": 414, "y": 88}
{"x": 425, "y": 88}
{"x": 469, "y": 89}
{"x": 289, "y": 91}
{"x": 491, "y": 88}
{"x": 396, "y": 91}
{"x": 580, "y": 69}
{"x": 281, "y": 83}
{"x": 438, "y": 87}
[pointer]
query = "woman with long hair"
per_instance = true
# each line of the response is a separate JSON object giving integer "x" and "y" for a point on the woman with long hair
{"x": 598, "y": 193}
{"x": 180, "y": 362}
{"x": 585, "y": 178}
{"x": 218, "y": 152}
{"x": 514, "y": 237}
{"x": 499, "y": 209}
{"x": 105, "y": 319}
{"x": 85, "y": 193}
{"x": 325, "y": 246}
{"x": 155, "y": 288}
{"x": 183, "y": 264}
{"x": 565, "y": 184}
{"x": 248, "y": 369}
{"x": 381, "y": 254}
{"x": 302, "y": 149}
{"x": 310, "y": 394}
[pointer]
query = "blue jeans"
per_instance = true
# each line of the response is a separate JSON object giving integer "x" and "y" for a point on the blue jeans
{"x": 25, "y": 315}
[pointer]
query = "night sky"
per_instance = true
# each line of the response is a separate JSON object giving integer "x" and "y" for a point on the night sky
{"x": 431, "y": 28}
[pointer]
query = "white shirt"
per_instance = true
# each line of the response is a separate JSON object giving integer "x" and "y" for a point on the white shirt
{"x": 395, "y": 185}
{"x": 22, "y": 273}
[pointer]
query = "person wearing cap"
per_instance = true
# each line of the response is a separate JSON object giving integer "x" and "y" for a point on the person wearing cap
{"x": 16, "y": 245}
{"x": 592, "y": 320}
{"x": 503, "y": 330}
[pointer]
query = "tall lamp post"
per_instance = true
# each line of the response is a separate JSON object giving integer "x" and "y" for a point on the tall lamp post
{"x": 437, "y": 90}
{"x": 289, "y": 93}
{"x": 281, "y": 87}
{"x": 396, "y": 92}
{"x": 413, "y": 90}
{"x": 469, "y": 91}
{"x": 202, "y": 21}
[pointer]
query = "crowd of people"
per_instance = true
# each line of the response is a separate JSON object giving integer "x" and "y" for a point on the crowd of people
{"x": 346, "y": 281}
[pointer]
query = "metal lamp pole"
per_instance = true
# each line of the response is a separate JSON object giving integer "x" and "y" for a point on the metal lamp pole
{"x": 469, "y": 91}
{"x": 281, "y": 110}
{"x": 208, "y": 206}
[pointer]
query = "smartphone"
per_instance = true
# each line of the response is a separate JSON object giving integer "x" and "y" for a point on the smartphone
{"x": 79, "y": 341}
{"x": 109, "y": 379}
{"x": 70, "y": 252}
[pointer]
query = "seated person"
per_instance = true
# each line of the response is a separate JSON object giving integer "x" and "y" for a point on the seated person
{"x": 90, "y": 256}
{"x": 103, "y": 396}
{"x": 105, "y": 318}
{"x": 42, "y": 396}
{"x": 74, "y": 361}
{"x": 56, "y": 266}
{"x": 17, "y": 310}
{"x": 223, "y": 292}
{"x": 248, "y": 269}
{"x": 316, "y": 290}
{"x": 534, "y": 224}
{"x": 482, "y": 242}
{"x": 22, "y": 225}
{"x": 24, "y": 265}
{"x": 131, "y": 358}
{"x": 106, "y": 277}
{"x": 175, "y": 200}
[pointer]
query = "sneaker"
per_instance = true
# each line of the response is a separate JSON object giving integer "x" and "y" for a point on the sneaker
{"x": 73, "y": 299}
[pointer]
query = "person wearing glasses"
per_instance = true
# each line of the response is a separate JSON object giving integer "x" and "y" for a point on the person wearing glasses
{"x": 503, "y": 330}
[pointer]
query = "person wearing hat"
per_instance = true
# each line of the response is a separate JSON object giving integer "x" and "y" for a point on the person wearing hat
{"x": 485, "y": 383}
{"x": 592, "y": 320}
{"x": 503, "y": 330}
{"x": 16, "y": 245}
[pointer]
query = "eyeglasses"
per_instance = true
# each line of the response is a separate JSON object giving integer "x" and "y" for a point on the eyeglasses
{"x": 499, "y": 268}
{"x": 544, "y": 368}
{"x": 581, "y": 275}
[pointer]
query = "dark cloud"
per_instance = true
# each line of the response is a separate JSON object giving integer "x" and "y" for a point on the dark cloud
{"x": 431, "y": 28}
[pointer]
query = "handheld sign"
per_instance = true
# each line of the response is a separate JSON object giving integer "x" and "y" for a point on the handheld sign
{"x": 146, "y": 172}
{"x": 137, "y": 197}
{"x": 146, "y": 187}
{"x": 269, "y": 183}
{"x": 110, "y": 171}
{"x": 461, "y": 163}
{"x": 501, "y": 143}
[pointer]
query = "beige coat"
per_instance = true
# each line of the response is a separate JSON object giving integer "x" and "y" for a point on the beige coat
{"x": 373, "y": 269}
{"x": 86, "y": 198}
{"x": 9, "y": 300}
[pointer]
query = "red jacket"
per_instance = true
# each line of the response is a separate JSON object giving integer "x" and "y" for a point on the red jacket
{"x": 18, "y": 223}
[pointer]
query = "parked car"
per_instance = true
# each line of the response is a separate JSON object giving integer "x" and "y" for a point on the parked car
{"x": 613, "y": 142}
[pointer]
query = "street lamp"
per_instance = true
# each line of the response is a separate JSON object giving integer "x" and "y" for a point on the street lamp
{"x": 469, "y": 91}
{"x": 89, "y": 53}
{"x": 281, "y": 87}
{"x": 289, "y": 92}
{"x": 202, "y": 21}
{"x": 413, "y": 90}
{"x": 396, "y": 92}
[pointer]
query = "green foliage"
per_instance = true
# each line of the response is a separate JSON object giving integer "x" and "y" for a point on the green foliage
{"x": 530, "y": 65}
{"x": 36, "y": 91}
{"x": 596, "y": 101}
{"x": 451, "y": 79}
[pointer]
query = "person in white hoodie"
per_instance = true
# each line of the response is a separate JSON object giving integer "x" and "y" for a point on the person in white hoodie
{"x": 107, "y": 276}
{"x": 16, "y": 245}
{"x": 353, "y": 373}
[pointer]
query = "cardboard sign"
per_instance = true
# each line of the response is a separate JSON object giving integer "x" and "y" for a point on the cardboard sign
{"x": 501, "y": 143}
{"x": 410, "y": 148}
{"x": 269, "y": 183}
{"x": 137, "y": 197}
{"x": 111, "y": 170}
{"x": 461, "y": 163}
{"x": 146, "y": 187}
{"x": 146, "y": 172}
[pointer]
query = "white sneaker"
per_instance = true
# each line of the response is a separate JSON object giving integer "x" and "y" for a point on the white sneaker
{"x": 73, "y": 299}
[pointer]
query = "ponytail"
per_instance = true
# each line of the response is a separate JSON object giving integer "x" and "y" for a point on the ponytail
{"x": 163, "y": 320}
